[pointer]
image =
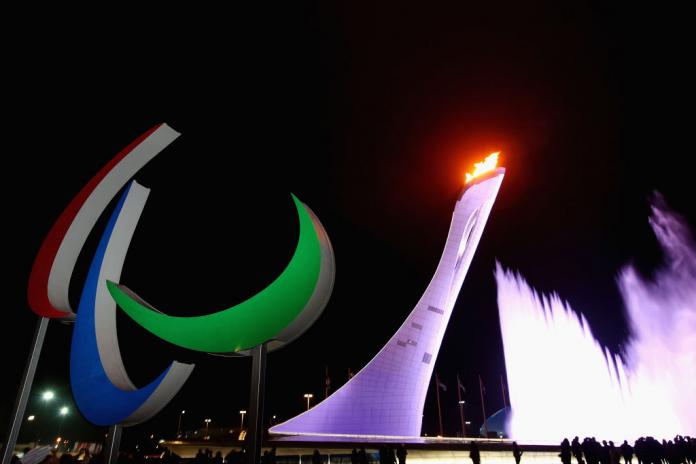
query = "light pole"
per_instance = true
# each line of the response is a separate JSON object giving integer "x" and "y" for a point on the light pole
{"x": 241, "y": 425}
{"x": 207, "y": 422}
{"x": 309, "y": 396}
{"x": 63, "y": 411}
{"x": 178, "y": 427}
{"x": 461, "y": 417}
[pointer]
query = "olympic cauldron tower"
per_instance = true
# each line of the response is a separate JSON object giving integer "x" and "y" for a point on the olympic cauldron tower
{"x": 387, "y": 396}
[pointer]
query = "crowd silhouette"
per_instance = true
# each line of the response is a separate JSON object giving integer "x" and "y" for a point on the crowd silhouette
{"x": 645, "y": 450}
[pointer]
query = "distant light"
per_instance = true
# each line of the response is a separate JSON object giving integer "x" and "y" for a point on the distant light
{"x": 31, "y": 418}
{"x": 183, "y": 411}
{"x": 467, "y": 423}
{"x": 152, "y": 436}
{"x": 161, "y": 441}
{"x": 63, "y": 411}
{"x": 242, "y": 412}
{"x": 308, "y": 395}
{"x": 58, "y": 440}
{"x": 462, "y": 402}
{"x": 207, "y": 421}
{"x": 48, "y": 395}
{"x": 273, "y": 416}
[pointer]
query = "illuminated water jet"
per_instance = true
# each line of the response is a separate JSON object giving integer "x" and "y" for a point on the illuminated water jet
{"x": 563, "y": 383}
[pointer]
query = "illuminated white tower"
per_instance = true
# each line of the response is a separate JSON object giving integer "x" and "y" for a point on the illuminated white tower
{"x": 387, "y": 396}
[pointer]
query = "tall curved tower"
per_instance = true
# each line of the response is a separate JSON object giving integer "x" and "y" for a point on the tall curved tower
{"x": 387, "y": 396}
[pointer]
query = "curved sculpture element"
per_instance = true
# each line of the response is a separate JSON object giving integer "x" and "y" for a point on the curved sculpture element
{"x": 101, "y": 387}
{"x": 387, "y": 396}
{"x": 54, "y": 264}
{"x": 280, "y": 312}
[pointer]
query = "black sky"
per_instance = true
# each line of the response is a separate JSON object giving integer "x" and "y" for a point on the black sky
{"x": 370, "y": 114}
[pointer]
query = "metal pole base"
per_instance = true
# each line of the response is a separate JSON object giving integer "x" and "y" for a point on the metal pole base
{"x": 113, "y": 442}
{"x": 254, "y": 439}
{"x": 24, "y": 389}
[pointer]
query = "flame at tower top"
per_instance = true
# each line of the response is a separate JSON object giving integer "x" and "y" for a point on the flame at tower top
{"x": 482, "y": 167}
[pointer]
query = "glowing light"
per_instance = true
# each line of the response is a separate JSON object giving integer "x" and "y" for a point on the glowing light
{"x": 63, "y": 411}
{"x": 564, "y": 383}
{"x": 482, "y": 167}
{"x": 48, "y": 395}
{"x": 31, "y": 418}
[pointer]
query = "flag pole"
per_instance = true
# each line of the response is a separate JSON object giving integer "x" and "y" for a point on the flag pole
{"x": 483, "y": 407}
{"x": 502, "y": 389}
{"x": 461, "y": 405}
{"x": 439, "y": 412}
{"x": 327, "y": 382}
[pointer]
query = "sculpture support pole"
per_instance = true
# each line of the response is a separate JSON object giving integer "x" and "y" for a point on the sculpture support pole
{"x": 113, "y": 443}
{"x": 256, "y": 398}
{"x": 24, "y": 389}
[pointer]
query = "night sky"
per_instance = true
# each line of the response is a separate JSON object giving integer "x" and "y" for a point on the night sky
{"x": 371, "y": 114}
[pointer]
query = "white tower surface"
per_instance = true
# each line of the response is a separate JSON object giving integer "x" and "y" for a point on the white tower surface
{"x": 387, "y": 396}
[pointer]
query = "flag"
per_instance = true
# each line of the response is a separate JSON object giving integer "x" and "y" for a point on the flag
{"x": 460, "y": 386}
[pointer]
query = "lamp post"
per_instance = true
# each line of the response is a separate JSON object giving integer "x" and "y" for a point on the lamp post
{"x": 62, "y": 412}
{"x": 461, "y": 416}
{"x": 207, "y": 423}
{"x": 308, "y": 396}
{"x": 178, "y": 427}
{"x": 241, "y": 425}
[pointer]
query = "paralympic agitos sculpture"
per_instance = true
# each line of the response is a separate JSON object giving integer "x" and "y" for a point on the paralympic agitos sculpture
{"x": 101, "y": 387}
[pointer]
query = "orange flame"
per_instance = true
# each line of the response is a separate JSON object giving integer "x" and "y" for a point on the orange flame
{"x": 482, "y": 167}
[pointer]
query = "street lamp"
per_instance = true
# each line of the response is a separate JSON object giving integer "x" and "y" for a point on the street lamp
{"x": 62, "y": 412}
{"x": 48, "y": 395}
{"x": 461, "y": 416}
{"x": 178, "y": 427}
{"x": 309, "y": 396}
{"x": 207, "y": 422}
{"x": 31, "y": 418}
{"x": 241, "y": 426}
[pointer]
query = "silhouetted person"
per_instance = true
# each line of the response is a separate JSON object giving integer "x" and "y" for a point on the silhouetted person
{"x": 391, "y": 457}
{"x": 626, "y": 452}
{"x": 316, "y": 457}
{"x": 474, "y": 453}
{"x": 354, "y": 459}
{"x": 516, "y": 452}
{"x": 362, "y": 456}
{"x": 565, "y": 451}
{"x": 576, "y": 450}
{"x": 401, "y": 453}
